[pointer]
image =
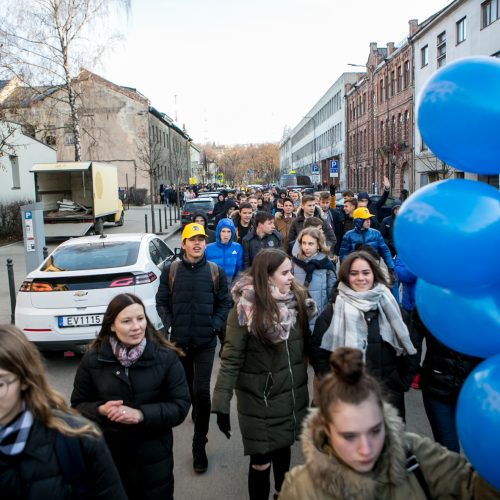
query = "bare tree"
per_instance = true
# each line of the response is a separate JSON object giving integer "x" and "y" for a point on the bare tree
{"x": 7, "y": 131}
{"x": 437, "y": 169}
{"x": 46, "y": 41}
{"x": 149, "y": 154}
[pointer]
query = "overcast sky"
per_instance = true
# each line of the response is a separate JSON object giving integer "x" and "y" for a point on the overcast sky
{"x": 243, "y": 69}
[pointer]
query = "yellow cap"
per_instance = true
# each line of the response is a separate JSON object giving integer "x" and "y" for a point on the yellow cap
{"x": 193, "y": 229}
{"x": 362, "y": 213}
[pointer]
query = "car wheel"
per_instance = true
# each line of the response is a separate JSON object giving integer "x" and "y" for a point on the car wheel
{"x": 121, "y": 220}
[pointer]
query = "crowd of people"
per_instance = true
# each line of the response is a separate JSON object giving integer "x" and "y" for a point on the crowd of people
{"x": 285, "y": 280}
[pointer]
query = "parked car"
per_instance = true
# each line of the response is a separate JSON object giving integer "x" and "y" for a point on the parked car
{"x": 201, "y": 204}
{"x": 386, "y": 209}
{"x": 209, "y": 194}
{"x": 61, "y": 304}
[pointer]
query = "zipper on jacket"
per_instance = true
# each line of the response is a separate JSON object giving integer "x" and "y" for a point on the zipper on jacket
{"x": 267, "y": 388}
{"x": 293, "y": 390}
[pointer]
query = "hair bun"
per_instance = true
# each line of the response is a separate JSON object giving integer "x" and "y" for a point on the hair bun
{"x": 347, "y": 363}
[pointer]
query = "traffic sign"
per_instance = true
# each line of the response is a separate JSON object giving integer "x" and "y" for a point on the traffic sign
{"x": 314, "y": 168}
{"x": 334, "y": 168}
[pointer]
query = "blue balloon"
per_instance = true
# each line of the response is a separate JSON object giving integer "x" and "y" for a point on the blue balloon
{"x": 448, "y": 233}
{"x": 467, "y": 321}
{"x": 478, "y": 419}
{"x": 459, "y": 114}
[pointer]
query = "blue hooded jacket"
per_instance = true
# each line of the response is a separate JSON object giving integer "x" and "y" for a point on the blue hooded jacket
{"x": 229, "y": 256}
{"x": 367, "y": 236}
{"x": 409, "y": 281}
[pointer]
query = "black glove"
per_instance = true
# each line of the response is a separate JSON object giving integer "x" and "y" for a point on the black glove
{"x": 332, "y": 189}
{"x": 224, "y": 424}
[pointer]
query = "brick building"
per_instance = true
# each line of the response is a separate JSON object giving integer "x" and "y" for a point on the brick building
{"x": 379, "y": 120}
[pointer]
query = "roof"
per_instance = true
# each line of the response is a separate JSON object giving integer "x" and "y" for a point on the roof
{"x": 23, "y": 97}
{"x": 76, "y": 166}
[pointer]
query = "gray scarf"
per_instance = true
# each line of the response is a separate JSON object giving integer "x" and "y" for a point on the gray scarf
{"x": 348, "y": 327}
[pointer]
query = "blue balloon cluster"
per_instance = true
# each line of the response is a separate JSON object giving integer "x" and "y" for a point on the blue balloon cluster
{"x": 448, "y": 233}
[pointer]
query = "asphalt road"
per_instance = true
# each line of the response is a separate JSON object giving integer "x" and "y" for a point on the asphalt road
{"x": 227, "y": 474}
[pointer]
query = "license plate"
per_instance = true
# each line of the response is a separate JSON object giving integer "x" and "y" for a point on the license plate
{"x": 81, "y": 320}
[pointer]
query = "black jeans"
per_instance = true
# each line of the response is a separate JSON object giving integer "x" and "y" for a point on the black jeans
{"x": 442, "y": 419}
{"x": 258, "y": 481}
{"x": 198, "y": 365}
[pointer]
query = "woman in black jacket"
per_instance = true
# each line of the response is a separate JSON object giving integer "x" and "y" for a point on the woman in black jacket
{"x": 38, "y": 433}
{"x": 365, "y": 315}
{"x": 133, "y": 385}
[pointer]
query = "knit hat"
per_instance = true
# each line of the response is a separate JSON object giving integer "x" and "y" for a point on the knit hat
{"x": 363, "y": 195}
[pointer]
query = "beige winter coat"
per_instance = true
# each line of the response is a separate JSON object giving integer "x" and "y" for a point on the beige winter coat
{"x": 325, "y": 477}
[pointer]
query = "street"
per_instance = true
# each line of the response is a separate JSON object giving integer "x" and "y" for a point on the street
{"x": 227, "y": 473}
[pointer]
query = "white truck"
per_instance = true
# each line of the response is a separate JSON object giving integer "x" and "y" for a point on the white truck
{"x": 78, "y": 197}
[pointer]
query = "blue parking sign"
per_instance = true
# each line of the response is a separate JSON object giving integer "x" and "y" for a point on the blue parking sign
{"x": 314, "y": 168}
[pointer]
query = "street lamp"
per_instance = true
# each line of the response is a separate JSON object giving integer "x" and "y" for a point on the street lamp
{"x": 313, "y": 118}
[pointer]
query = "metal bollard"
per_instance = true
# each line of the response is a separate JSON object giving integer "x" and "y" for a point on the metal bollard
{"x": 159, "y": 218}
{"x": 45, "y": 252}
{"x": 170, "y": 210}
{"x": 146, "y": 222}
{"x": 166, "y": 220}
{"x": 12, "y": 289}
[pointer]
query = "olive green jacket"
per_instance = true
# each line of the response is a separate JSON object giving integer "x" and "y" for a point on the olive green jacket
{"x": 270, "y": 384}
{"x": 325, "y": 477}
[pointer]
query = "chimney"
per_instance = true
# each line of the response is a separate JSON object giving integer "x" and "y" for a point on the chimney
{"x": 373, "y": 47}
{"x": 390, "y": 48}
{"x": 413, "y": 25}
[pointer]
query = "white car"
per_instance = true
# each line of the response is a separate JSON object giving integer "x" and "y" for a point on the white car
{"x": 61, "y": 304}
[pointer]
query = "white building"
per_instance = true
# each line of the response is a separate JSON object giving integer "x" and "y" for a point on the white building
{"x": 463, "y": 28}
{"x": 319, "y": 137}
{"x": 17, "y": 155}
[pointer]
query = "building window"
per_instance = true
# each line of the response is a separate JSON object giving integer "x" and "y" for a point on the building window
{"x": 407, "y": 128}
{"x": 50, "y": 135}
{"x": 489, "y": 12}
{"x": 461, "y": 34}
{"x": 14, "y": 167}
{"x": 400, "y": 78}
{"x": 424, "y": 180}
{"x": 424, "y": 55}
{"x": 400, "y": 126}
{"x": 69, "y": 138}
{"x": 393, "y": 129}
{"x": 423, "y": 146}
{"x": 407, "y": 74}
{"x": 393, "y": 83}
{"x": 441, "y": 49}
{"x": 382, "y": 132}
{"x": 381, "y": 90}
{"x": 386, "y": 85}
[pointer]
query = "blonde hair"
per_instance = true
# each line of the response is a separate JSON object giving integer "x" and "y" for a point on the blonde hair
{"x": 21, "y": 358}
{"x": 318, "y": 235}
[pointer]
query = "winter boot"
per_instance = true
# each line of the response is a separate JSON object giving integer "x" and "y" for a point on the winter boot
{"x": 200, "y": 459}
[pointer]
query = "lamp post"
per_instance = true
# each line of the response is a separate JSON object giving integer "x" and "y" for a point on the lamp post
{"x": 313, "y": 118}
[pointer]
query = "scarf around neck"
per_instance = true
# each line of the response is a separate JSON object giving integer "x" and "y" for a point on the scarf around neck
{"x": 349, "y": 328}
{"x": 14, "y": 435}
{"x": 244, "y": 295}
{"x": 125, "y": 355}
{"x": 309, "y": 266}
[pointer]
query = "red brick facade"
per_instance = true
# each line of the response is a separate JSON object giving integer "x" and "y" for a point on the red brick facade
{"x": 379, "y": 121}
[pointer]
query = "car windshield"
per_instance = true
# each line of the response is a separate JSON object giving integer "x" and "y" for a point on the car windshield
{"x": 192, "y": 206}
{"x": 92, "y": 256}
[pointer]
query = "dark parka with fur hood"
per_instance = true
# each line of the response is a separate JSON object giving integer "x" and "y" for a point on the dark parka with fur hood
{"x": 325, "y": 477}
{"x": 270, "y": 384}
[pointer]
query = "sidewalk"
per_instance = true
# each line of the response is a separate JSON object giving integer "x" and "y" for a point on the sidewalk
{"x": 134, "y": 223}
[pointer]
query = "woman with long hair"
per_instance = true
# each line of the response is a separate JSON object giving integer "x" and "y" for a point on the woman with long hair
{"x": 355, "y": 447}
{"x": 365, "y": 315}
{"x": 263, "y": 361}
{"x": 312, "y": 267}
{"x": 133, "y": 385}
{"x": 38, "y": 432}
